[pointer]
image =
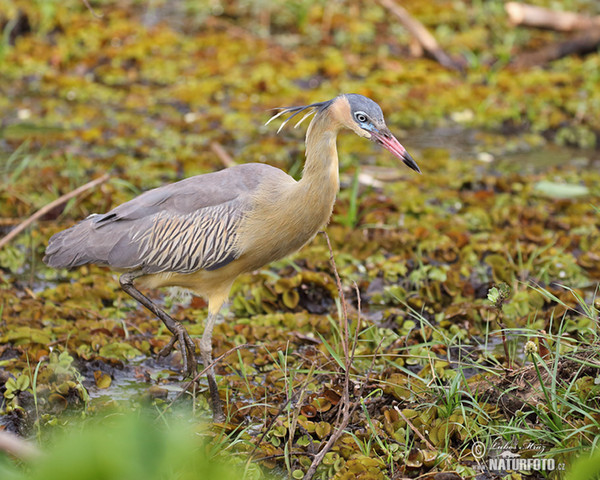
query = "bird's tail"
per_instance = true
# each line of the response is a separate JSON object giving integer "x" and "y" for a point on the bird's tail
{"x": 73, "y": 247}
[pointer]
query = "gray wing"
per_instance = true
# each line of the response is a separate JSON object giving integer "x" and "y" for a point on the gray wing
{"x": 183, "y": 243}
{"x": 181, "y": 227}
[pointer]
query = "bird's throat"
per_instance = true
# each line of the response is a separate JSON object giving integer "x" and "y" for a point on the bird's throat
{"x": 320, "y": 178}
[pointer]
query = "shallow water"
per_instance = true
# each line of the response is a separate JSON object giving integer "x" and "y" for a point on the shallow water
{"x": 505, "y": 154}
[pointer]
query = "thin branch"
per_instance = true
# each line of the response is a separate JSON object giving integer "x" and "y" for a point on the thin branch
{"x": 342, "y": 298}
{"x": 414, "y": 429}
{"x": 358, "y": 322}
{"x": 500, "y": 322}
{"x": 225, "y": 158}
{"x": 341, "y": 423}
{"x": 350, "y": 359}
{"x": 87, "y": 4}
{"x": 347, "y": 414}
{"x": 348, "y": 407}
{"x": 585, "y": 41}
{"x": 332, "y": 439}
{"x": 422, "y": 35}
{"x": 539, "y": 17}
{"x": 17, "y": 447}
{"x": 45, "y": 209}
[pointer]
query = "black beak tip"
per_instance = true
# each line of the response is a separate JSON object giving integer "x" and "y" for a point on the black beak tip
{"x": 410, "y": 163}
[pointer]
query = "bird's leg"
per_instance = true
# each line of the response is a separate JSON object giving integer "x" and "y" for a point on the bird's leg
{"x": 179, "y": 332}
{"x": 206, "y": 352}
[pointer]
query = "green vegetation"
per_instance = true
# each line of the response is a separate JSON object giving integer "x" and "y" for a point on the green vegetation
{"x": 130, "y": 446}
{"x": 472, "y": 290}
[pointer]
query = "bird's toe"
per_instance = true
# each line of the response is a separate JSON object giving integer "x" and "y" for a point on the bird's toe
{"x": 187, "y": 347}
{"x": 168, "y": 348}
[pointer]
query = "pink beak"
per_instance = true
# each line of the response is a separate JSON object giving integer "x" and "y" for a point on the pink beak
{"x": 390, "y": 143}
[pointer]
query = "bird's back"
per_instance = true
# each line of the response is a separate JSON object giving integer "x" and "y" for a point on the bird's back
{"x": 181, "y": 227}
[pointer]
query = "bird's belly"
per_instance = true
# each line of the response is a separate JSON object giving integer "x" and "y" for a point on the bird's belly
{"x": 214, "y": 285}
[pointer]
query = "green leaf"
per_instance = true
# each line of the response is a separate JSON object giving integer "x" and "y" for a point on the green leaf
{"x": 64, "y": 359}
{"x": 493, "y": 295}
{"x": 560, "y": 190}
{"x": 119, "y": 350}
{"x": 438, "y": 274}
{"x": 22, "y": 382}
{"x": 587, "y": 467}
{"x": 11, "y": 386}
{"x": 323, "y": 429}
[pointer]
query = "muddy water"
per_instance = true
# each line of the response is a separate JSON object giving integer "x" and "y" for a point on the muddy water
{"x": 522, "y": 154}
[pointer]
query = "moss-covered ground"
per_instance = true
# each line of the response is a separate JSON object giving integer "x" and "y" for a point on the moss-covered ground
{"x": 499, "y": 234}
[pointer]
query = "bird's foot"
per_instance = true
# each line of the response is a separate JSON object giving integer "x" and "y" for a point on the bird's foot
{"x": 186, "y": 344}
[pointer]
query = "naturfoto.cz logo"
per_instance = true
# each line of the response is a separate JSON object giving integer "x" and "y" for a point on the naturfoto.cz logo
{"x": 504, "y": 456}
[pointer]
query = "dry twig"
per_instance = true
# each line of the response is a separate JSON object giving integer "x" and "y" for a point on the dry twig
{"x": 342, "y": 422}
{"x": 87, "y": 4}
{"x": 414, "y": 429}
{"x": 225, "y": 158}
{"x": 347, "y": 407}
{"x": 584, "y": 42}
{"x": 342, "y": 298}
{"x": 17, "y": 447}
{"x": 422, "y": 35}
{"x": 45, "y": 209}
{"x": 534, "y": 16}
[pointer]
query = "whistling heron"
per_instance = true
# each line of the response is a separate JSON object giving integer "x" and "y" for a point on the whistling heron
{"x": 202, "y": 232}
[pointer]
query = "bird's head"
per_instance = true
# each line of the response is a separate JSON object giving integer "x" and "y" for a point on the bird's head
{"x": 365, "y": 118}
{"x": 359, "y": 114}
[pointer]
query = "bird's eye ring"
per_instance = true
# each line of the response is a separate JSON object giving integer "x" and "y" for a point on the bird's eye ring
{"x": 361, "y": 117}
